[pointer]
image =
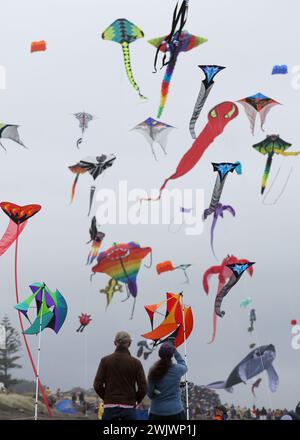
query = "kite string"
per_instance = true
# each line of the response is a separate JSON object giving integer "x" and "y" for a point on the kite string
{"x": 282, "y": 190}
{"x": 22, "y": 328}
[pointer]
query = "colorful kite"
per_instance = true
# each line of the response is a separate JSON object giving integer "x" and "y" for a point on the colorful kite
{"x": 210, "y": 72}
{"x": 177, "y": 323}
{"x": 84, "y": 320}
{"x": 218, "y": 118}
{"x": 8, "y": 131}
{"x": 18, "y": 219}
{"x": 124, "y": 32}
{"x": 38, "y": 46}
{"x": 96, "y": 239}
{"x": 84, "y": 119}
{"x": 224, "y": 274}
{"x": 216, "y": 208}
{"x": 112, "y": 287}
{"x": 122, "y": 262}
{"x": 253, "y": 364}
{"x": 154, "y": 131}
{"x": 280, "y": 69}
{"x": 180, "y": 42}
{"x": 51, "y": 311}
{"x": 167, "y": 266}
{"x": 260, "y": 104}
{"x": 272, "y": 145}
{"x": 94, "y": 166}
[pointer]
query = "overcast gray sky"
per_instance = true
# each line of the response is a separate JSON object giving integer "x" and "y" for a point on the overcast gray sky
{"x": 79, "y": 71}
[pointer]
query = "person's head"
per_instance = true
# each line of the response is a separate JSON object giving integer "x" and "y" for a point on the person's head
{"x": 161, "y": 367}
{"x": 122, "y": 340}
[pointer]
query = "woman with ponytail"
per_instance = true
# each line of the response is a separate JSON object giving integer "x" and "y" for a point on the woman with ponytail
{"x": 164, "y": 385}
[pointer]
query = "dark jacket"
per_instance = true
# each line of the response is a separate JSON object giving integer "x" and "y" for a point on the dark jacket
{"x": 120, "y": 379}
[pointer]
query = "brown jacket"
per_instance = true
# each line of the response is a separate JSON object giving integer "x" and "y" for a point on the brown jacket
{"x": 120, "y": 379}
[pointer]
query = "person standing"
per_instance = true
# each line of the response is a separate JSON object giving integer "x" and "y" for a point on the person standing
{"x": 120, "y": 381}
{"x": 164, "y": 385}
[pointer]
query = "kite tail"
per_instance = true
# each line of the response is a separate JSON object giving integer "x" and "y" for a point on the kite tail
{"x": 165, "y": 86}
{"x": 93, "y": 252}
{"x": 74, "y": 188}
{"x": 213, "y": 225}
{"x": 126, "y": 55}
{"x": 92, "y": 193}
{"x": 23, "y": 330}
{"x": 266, "y": 172}
{"x": 215, "y": 318}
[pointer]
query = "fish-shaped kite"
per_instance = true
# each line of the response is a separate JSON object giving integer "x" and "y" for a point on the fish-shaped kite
{"x": 154, "y": 131}
{"x": 124, "y": 32}
{"x": 258, "y": 360}
{"x": 210, "y": 71}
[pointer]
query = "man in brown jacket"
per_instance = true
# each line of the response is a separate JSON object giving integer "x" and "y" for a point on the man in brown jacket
{"x": 120, "y": 381}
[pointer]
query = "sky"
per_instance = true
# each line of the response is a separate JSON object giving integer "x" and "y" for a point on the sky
{"x": 81, "y": 72}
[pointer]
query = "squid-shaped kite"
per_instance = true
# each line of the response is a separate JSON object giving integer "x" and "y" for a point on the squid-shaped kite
{"x": 216, "y": 208}
{"x": 218, "y": 118}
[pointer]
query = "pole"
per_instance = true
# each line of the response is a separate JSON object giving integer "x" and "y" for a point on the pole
{"x": 22, "y": 327}
{"x": 185, "y": 358}
{"x": 38, "y": 363}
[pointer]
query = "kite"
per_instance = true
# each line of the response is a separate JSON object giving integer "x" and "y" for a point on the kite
{"x": 255, "y": 385}
{"x": 258, "y": 360}
{"x": 252, "y": 345}
{"x": 218, "y": 118}
{"x": 176, "y": 325}
{"x": 224, "y": 273}
{"x": 2, "y": 337}
{"x": 154, "y": 131}
{"x": 18, "y": 219}
{"x": 38, "y": 46}
{"x": 144, "y": 349}
{"x": 252, "y": 318}
{"x": 124, "y": 32}
{"x": 210, "y": 72}
{"x": 8, "y": 131}
{"x": 84, "y": 320}
{"x": 84, "y": 119}
{"x": 51, "y": 311}
{"x": 258, "y": 103}
{"x": 94, "y": 166}
{"x": 245, "y": 302}
{"x": 272, "y": 145}
{"x": 294, "y": 322}
{"x": 112, "y": 287}
{"x": 167, "y": 266}
{"x": 180, "y": 42}
{"x": 237, "y": 271}
{"x": 122, "y": 262}
{"x": 96, "y": 239}
{"x": 280, "y": 69}
{"x": 216, "y": 208}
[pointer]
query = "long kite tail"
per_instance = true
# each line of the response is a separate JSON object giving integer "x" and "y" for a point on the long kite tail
{"x": 92, "y": 193}
{"x": 127, "y": 62}
{"x": 165, "y": 85}
{"x": 201, "y": 99}
{"x": 213, "y": 225}
{"x": 22, "y": 328}
{"x": 74, "y": 188}
{"x": 266, "y": 172}
{"x": 215, "y": 319}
